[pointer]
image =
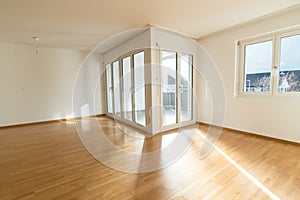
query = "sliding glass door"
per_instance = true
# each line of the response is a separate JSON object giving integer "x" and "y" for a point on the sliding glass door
{"x": 126, "y": 93}
{"x": 139, "y": 89}
{"x": 169, "y": 87}
{"x": 176, "y": 77}
{"x": 116, "y": 89}
{"x": 127, "y": 88}
{"x": 109, "y": 89}
{"x": 186, "y": 80}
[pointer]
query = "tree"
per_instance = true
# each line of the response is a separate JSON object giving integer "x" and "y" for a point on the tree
{"x": 293, "y": 81}
{"x": 263, "y": 83}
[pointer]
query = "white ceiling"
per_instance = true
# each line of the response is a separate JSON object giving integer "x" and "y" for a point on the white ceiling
{"x": 82, "y": 24}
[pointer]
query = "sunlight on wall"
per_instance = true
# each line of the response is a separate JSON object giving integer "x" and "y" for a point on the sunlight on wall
{"x": 85, "y": 110}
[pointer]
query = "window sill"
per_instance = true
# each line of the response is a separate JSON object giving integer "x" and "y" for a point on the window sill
{"x": 289, "y": 95}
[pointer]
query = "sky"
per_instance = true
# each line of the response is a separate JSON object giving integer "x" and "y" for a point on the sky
{"x": 258, "y": 57}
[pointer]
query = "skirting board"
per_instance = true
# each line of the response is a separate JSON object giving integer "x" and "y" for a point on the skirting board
{"x": 200, "y": 123}
{"x": 50, "y": 121}
{"x": 253, "y": 134}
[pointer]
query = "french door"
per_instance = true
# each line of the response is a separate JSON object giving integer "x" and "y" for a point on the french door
{"x": 177, "y": 82}
{"x": 116, "y": 89}
{"x": 125, "y": 89}
{"x": 126, "y": 92}
{"x": 109, "y": 90}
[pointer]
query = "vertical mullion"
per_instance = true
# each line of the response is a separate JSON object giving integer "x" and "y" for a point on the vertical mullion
{"x": 242, "y": 78}
{"x": 190, "y": 86}
{"x": 159, "y": 86}
{"x": 273, "y": 68}
{"x": 112, "y": 89}
{"x": 132, "y": 89}
{"x": 178, "y": 87}
{"x": 106, "y": 89}
{"x": 147, "y": 79}
{"x": 276, "y": 65}
{"x": 121, "y": 87}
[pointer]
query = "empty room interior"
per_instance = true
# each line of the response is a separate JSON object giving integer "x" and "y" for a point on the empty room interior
{"x": 128, "y": 99}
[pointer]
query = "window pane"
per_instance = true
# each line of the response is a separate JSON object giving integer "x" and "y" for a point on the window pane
{"x": 139, "y": 88}
{"x": 289, "y": 74}
{"x": 108, "y": 89}
{"x": 258, "y": 65}
{"x": 169, "y": 81}
{"x": 116, "y": 88}
{"x": 186, "y": 67}
{"x": 127, "y": 103}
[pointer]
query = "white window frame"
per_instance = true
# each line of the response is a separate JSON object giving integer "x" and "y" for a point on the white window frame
{"x": 242, "y": 46}
{"x": 277, "y": 61}
{"x": 178, "y": 123}
{"x": 275, "y": 37}
{"x": 120, "y": 67}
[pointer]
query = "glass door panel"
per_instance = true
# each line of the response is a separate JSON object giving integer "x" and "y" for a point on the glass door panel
{"x": 116, "y": 83}
{"x": 127, "y": 87}
{"x": 169, "y": 87}
{"x": 186, "y": 67}
{"x": 139, "y": 89}
{"x": 109, "y": 89}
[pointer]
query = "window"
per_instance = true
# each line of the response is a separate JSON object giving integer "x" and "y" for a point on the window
{"x": 139, "y": 88}
{"x": 116, "y": 88}
{"x": 169, "y": 87}
{"x": 258, "y": 66}
{"x": 127, "y": 88}
{"x": 289, "y": 64}
{"x": 270, "y": 65}
{"x": 109, "y": 89}
{"x": 177, "y": 81}
{"x": 186, "y": 91}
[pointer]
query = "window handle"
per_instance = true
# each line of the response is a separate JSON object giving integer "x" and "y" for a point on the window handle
{"x": 131, "y": 90}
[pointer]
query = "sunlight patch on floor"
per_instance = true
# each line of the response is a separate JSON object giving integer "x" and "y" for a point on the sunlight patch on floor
{"x": 242, "y": 170}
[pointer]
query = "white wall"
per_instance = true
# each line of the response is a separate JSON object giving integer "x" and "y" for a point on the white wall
{"x": 140, "y": 41}
{"x": 39, "y": 87}
{"x": 89, "y": 87}
{"x": 167, "y": 40}
{"x": 156, "y": 39}
{"x": 276, "y": 116}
